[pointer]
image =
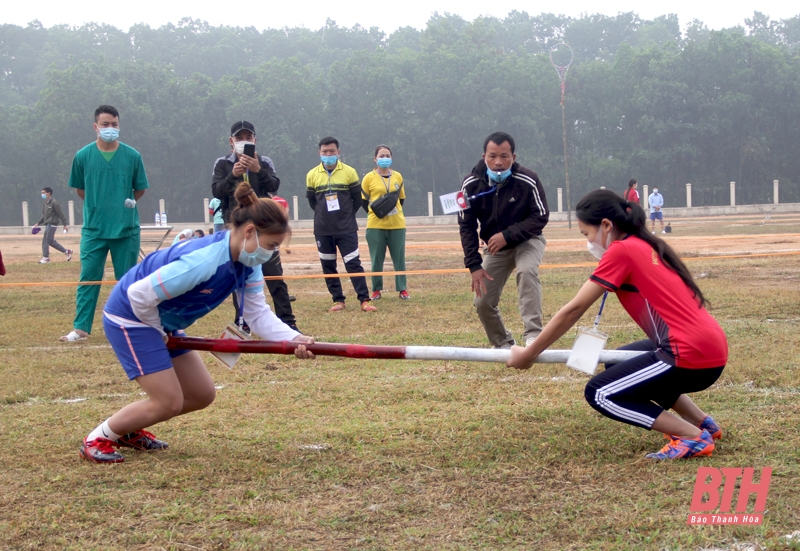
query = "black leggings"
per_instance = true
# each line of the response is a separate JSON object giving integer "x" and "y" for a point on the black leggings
{"x": 636, "y": 391}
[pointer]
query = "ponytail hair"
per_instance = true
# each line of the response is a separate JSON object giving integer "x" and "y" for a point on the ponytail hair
{"x": 628, "y": 217}
{"x": 267, "y": 215}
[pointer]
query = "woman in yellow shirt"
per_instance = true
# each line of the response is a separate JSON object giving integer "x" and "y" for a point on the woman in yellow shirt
{"x": 389, "y": 231}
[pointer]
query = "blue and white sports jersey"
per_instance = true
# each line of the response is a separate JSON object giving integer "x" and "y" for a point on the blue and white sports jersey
{"x": 186, "y": 282}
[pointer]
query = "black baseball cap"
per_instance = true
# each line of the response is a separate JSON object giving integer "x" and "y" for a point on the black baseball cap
{"x": 242, "y": 125}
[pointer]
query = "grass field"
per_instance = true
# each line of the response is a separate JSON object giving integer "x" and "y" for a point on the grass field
{"x": 384, "y": 455}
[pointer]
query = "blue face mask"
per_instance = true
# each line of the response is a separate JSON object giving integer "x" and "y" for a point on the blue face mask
{"x": 44, "y": 196}
{"x": 498, "y": 176}
{"x": 109, "y": 135}
{"x": 384, "y": 162}
{"x": 257, "y": 257}
{"x": 329, "y": 160}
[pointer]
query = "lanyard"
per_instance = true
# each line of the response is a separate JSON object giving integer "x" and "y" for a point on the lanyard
{"x": 600, "y": 313}
{"x": 240, "y": 289}
{"x": 387, "y": 182}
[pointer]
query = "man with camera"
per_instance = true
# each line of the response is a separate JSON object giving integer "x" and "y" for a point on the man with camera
{"x": 258, "y": 170}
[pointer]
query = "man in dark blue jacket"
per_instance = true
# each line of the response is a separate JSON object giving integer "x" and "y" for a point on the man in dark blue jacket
{"x": 507, "y": 202}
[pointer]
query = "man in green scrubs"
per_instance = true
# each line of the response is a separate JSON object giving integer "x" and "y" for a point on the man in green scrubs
{"x": 109, "y": 176}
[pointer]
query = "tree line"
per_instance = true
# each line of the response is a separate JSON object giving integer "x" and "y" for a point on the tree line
{"x": 644, "y": 100}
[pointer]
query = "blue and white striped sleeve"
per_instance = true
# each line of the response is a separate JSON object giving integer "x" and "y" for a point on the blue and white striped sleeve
{"x": 254, "y": 282}
{"x": 185, "y": 273}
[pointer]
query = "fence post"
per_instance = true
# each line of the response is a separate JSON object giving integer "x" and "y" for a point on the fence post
{"x": 294, "y": 206}
{"x": 162, "y": 208}
{"x": 560, "y": 200}
{"x": 733, "y": 194}
{"x": 71, "y": 210}
{"x": 689, "y": 195}
{"x": 25, "y": 220}
{"x": 775, "y": 184}
{"x": 430, "y": 204}
{"x": 646, "y": 197}
{"x": 205, "y": 209}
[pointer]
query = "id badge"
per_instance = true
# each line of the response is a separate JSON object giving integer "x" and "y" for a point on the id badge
{"x": 230, "y": 358}
{"x": 333, "y": 202}
{"x": 586, "y": 351}
{"x": 393, "y": 211}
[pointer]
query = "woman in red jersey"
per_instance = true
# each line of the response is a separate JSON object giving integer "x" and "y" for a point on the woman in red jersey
{"x": 686, "y": 349}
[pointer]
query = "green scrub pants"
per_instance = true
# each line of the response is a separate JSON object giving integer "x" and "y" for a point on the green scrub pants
{"x": 378, "y": 240}
{"x": 94, "y": 251}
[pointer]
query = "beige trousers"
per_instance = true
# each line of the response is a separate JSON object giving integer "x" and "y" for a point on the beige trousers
{"x": 526, "y": 258}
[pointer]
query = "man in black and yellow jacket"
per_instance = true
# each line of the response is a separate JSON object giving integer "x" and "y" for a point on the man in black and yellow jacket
{"x": 333, "y": 190}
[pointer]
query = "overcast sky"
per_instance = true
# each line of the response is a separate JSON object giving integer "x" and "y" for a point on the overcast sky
{"x": 386, "y": 15}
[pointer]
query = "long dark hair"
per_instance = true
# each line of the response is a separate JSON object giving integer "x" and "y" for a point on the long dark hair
{"x": 628, "y": 217}
{"x": 267, "y": 215}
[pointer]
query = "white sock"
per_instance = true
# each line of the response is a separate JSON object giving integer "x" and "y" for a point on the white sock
{"x": 103, "y": 431}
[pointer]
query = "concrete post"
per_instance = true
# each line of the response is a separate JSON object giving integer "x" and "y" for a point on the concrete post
{"x": 560, "y": 200}
{"x": 162, "y": 208}
{"x": 733, "y": 194}
{"x": 430, "y": 203}
{"x": 25, "y": 219}
{"x": 775, "y": 191}
{"x": 646, "y": 196}
{"x": 205, "y": 210}
{"x": 688, "y": 195}
{"x": 71, "y": 209}
{"x": 294, "y": 206}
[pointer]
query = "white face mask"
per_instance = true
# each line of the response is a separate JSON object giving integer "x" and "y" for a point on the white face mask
{"x": 596, "y": 247}
{"x": 239, "y": 147}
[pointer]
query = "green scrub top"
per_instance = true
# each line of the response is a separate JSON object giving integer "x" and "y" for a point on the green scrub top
{"x": 106, "y": 185}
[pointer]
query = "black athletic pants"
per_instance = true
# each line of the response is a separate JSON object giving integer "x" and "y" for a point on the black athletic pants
{"x": 347, "y": 244}
{"x": 277, "y": 288}
{"x": 637, "y": 391}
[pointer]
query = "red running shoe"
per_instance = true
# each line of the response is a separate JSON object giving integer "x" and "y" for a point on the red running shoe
{"x": 100, "y": 450}
{"x": 143, "y": 441}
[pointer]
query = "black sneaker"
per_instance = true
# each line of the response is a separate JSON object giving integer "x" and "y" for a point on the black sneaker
{"x": 142, "y": 440}
{"x": 100, "y": 450}
{"x": 293, "y": 326}
{"x": 292, "y": 298}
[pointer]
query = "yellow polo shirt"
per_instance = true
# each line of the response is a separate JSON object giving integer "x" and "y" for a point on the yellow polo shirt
{"x": 374, "y": 186}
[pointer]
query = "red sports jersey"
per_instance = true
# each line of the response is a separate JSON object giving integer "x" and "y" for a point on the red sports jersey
{"x": 662, "y": 305}
{"x": 631, "y": 195}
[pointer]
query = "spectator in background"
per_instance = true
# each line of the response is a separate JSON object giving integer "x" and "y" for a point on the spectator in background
{"x": 109, "y": 176}
{"x": 215, "y": 210}
{"x": 632, "y": 194}
{"x": 184, "y": 234}
{"x": 334, "y": 194}
{"x": 259, "y": 172}
{"x": 507, "y": 201}
{"x": 389, "y": 231}
{"x": 199, "y": 233}
{"x": 51, "y": 216}
{"x": 656, "y": 201}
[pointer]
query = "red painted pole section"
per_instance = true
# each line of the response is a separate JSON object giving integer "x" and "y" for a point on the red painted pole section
{"x": 287, "y": 347}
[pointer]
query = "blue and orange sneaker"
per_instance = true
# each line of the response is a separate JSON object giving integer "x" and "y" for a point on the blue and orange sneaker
{"x": 142, "y": 440}
{"x": 685, "y": 448}
{"x": 712, "y": 427}
{"x": 100, "y": 450}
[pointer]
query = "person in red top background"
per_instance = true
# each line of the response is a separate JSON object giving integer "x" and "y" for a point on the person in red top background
{"x": 686, "y": 349}
{"x": 631, "y": 194}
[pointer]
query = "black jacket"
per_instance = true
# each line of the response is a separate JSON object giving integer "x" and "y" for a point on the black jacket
{"x": 224, "y": 183}
{"x": 517, "y": 208}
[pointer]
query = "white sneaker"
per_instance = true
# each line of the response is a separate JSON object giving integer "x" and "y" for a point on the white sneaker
{"x": 653, "y": 232}
{"x": 44, "y": 260}
{"x": 662, "y": 231}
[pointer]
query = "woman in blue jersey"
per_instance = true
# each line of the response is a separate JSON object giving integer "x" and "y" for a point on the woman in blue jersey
{"x": 167, "y": 293}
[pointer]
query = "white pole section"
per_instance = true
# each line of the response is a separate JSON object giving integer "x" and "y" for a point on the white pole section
{"x": 775, "y": 185}
{"x": 71, "y": 209}
{"x": 688, "y": 195}
{"x": 294, "y": 206}
{"x": 430, "y": 203}
{"x": 733, "y": 194}
{"x": 25, "y": 219}
{"x": 560, "y": 200}
{"x": 205, "y": 209}
{"x": 646, "y": 196}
